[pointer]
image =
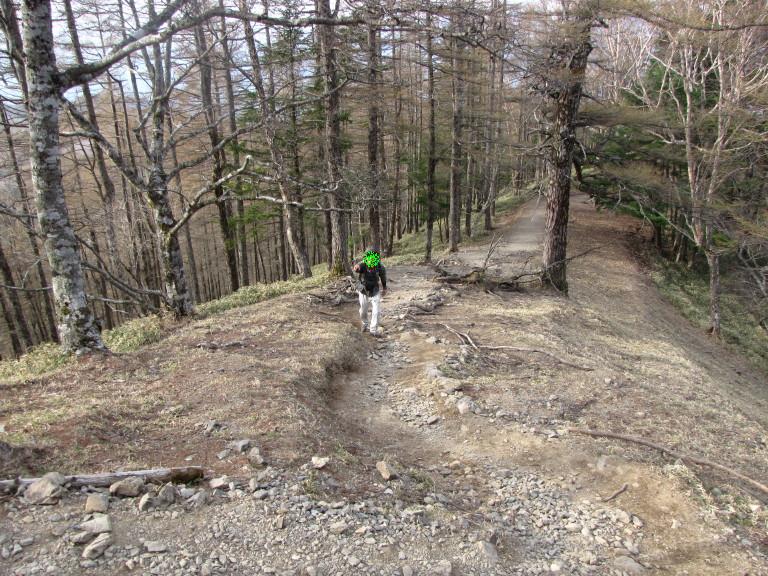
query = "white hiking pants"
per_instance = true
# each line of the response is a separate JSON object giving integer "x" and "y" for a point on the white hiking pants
{"x": 364, "y": 301}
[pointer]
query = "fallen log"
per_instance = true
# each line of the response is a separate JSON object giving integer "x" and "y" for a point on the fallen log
{"x": 158, "y": 475}
{"x": 687, "y": 458}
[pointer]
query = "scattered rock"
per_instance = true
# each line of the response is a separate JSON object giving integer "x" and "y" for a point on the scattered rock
{"x": 338, "y": 527}
{"x": 433, "y": 419}
{"x": 241, "y": 446}
{"x": 96, "y": 502}
{"x": 255, "y": 457}
{"x": 155, "y": 547}
{"x": 145, "y": 502}
{"x": 628, "y": 565}
{"x": 407, "y": 571}
{"x": 556, "y": 567}
{"x": 99, "y": 524}
{"x": 97, "y": 547}
{"x": 220, "y": 482}
{"x": 130, "y": 487}
{"x": 465, "y": 405}
{"x": 319, "y": 462}
{"x": 444, "y": 568}
{"x": 488, "y": 552}
{"x": 167, "y": 494}
{"x": 385, "y": 470}
{"x": 224, "y": 454}
{"x": 198, "y": 499}
{"x": 82, "y": 538}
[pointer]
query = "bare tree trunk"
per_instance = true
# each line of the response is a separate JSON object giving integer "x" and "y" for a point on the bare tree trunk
{"x": 294, "y": 216}
{"x": 230, "y": 248}
{"x": 76, "y": 325}
{"x": 713, "y": 259}
{"x": 107, "y": 184}
{"x": 373, "y": 138}
{"x": 13, "y": 296}
{"x": 432, "y": 160}
{"x": 333, "y": 153}
{"x": 565, "y": 94}
{"x": 13, "y": 334}
{"x": 457, "y": 94}
{"x": 227, "y": 64}
{"x": 22, "y": 187}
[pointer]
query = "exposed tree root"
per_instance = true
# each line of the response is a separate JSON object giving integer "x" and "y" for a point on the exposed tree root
{"x": 677, "y": 455}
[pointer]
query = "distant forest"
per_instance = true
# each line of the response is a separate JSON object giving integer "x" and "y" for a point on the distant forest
{"x": 159, "y": 155}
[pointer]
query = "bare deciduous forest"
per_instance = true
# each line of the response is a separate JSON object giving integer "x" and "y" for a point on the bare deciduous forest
{"x": 573, "y": 193}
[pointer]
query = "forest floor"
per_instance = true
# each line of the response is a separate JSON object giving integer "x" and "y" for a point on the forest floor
{"x": 489, "y": 481}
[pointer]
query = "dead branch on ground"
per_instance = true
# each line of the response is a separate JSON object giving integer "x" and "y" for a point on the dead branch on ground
{"x": 688, "y": 459}
{"x": 158, "y": 475}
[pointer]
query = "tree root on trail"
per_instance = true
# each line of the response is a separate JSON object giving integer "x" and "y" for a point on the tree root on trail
{"x": 467, "y": 340}
{"x": 617, "y": 493}
{"x": 677, "y": 455}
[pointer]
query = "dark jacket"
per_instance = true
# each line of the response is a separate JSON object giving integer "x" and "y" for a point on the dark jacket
{"x": 368, "y": 278}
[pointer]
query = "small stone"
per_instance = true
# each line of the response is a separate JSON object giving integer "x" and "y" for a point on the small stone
{"x": 433, "y": 420}
{"x": 280, "y": 523}
{"x": 311, "y": 571}
{"x": 241, "y": 446}
{"x": 145, "y": 502}
{"x": 255, "y": 457}
{"x": 628, "y": 565}
{"x": 97, "y": 525}
{"x": 167, "y": 494}
{"x": 319, "y": 462}
{"x": 556, "y": 567}
{"x": 155, "y": 547}
{"x": 488, "y": 552}
{"x": 130, "y": 487}
{"x": 198, "y": 499}
{"x": 224, "y": 454}
{"x": 353, "y": 561}
{"x": 385, "y": 470}
{"x": 97, "y": 547}
{"x": 82, "y": 538}
{"x": 465, "y": 405}
{"x": 43, "y": 492}
{"x": 261, "y": 495}
{"x": 338, "y": 527}
{"x": 407, "y": 571}
{"x": 623, "y": 517}
{"x": 96, "y": 502}
{"x": 444, "y": 568}
{"x": 220, "y": 482}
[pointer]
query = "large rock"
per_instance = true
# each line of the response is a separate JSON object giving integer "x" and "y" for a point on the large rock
{"x": 99, "y": 524}
{"x": 386, "y": 470}
{"x": 98, "y": 546}
{"x": 96, "y": 502}
{"x": 44, "y": 492}
{"x": 130, "y": 487}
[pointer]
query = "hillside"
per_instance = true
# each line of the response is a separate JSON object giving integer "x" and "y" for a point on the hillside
{"x": 486, "y": 479}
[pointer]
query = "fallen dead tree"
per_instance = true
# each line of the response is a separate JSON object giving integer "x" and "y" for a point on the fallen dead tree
{"x": 687, "y": 458}
{"x": 158, "y": 475}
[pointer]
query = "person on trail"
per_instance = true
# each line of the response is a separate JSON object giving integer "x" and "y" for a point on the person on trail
{"x": 370, "y": 271}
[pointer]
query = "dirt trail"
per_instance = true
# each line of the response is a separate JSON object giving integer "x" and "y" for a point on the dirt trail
{"x": 488, "y": 483}
{"x": 646, "y": 371}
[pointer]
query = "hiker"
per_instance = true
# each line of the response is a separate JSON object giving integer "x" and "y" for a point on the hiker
{"x": 369, "y": 271}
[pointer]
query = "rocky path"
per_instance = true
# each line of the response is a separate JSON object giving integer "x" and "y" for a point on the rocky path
{"x": 442, "y": 460}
